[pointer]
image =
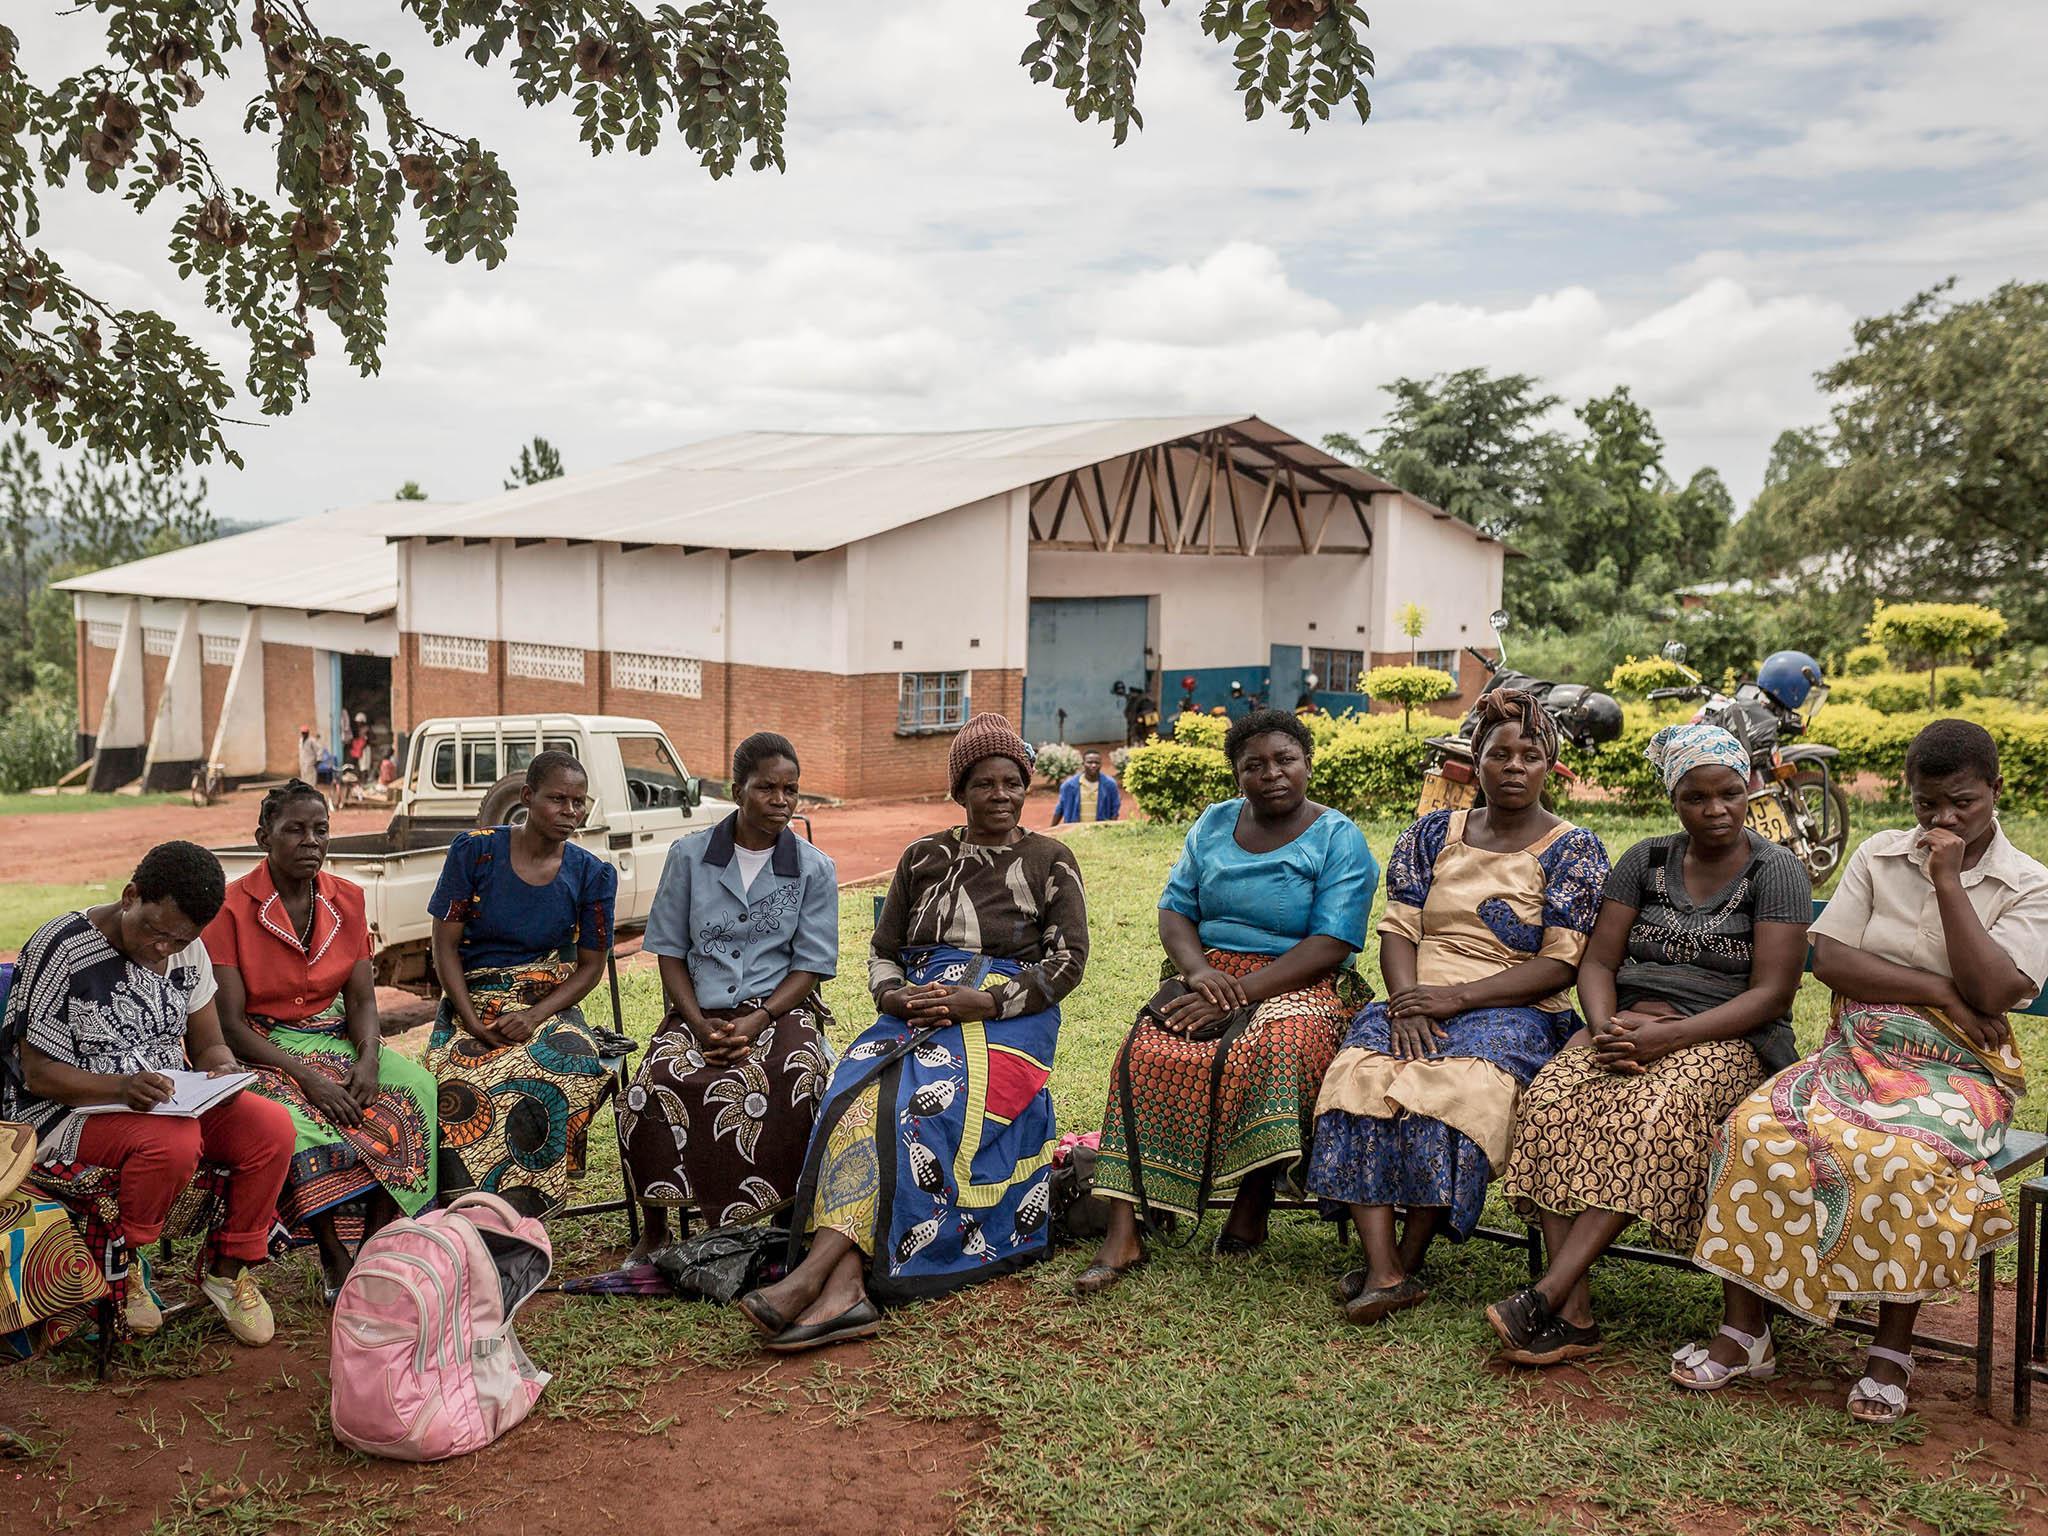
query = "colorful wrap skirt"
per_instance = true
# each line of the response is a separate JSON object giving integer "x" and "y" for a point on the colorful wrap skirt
{"x": 1858, "y": 1174}
{"x": 728, "y": 1141}
{"x": 1430, "y": 1132}
{"x": 48, "y": 1280}
{"x": 515, "y": 1119}
{"x": 1264, "y": 1099}
{"x": 1590, "y": 1139}
{"x": 933, "y": 1149}
{"x": 331, "y": 1164}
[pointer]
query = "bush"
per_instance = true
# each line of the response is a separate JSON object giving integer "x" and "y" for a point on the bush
{"x": 1862, "y": 660}
{"x": 1193, "y": 730}
{"x": 1177, "y": 781}
{"x": 1903, "y": 693}
{"x": 1633, "y": 678}
{"x": 1057, "y": 761}
{"x": 1409, "y": 686}
{"x": 1118, "y": 756}
{"x": 38, "y": 744}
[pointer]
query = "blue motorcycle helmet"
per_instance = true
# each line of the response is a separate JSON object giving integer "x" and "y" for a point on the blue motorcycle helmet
{"x": 1787, "y": 677}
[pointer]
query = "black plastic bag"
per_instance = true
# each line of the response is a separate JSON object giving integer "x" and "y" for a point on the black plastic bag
{"x": 724, "y": 1263}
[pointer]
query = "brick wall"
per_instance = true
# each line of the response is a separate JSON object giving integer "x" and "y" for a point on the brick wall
{"x": 213, "y": 692}
{"x": 287, "y": 704}
{"x": 843, "y": 728}
{"x": 95, "y": 669}
{"x": 153, "y": 670}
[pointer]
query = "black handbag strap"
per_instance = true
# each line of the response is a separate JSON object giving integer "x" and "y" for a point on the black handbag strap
{"x": 1237, "y": 1021}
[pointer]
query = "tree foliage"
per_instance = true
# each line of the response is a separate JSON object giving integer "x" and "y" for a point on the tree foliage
{"x": 537, "y": 461}
{"x": 1930, "y": 478}
{"x": 1933, "y": 632}
{"x": 410, "y": 491}
{"x": 354, "y": 158}
{"x": 1408, "y": 686}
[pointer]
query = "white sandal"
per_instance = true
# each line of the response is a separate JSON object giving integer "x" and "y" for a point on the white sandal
{"x": 1711, "y": 1375}
{"x": 1888, "y": 1398}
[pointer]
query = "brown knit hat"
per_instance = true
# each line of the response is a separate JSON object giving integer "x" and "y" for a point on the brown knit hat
{"x": 982, "y": 737}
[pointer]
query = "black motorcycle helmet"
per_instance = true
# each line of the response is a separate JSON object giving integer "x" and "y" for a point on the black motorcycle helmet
{"x": 1586, "y": 716}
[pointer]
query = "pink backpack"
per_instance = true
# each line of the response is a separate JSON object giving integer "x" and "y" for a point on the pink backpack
{"x": 424, "y": 1361}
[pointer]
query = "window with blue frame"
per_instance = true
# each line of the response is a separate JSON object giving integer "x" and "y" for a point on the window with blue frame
{"x": 1443, "y": 661}
{"x": 1337, "y": 671}
{"x": 930, "y": 701}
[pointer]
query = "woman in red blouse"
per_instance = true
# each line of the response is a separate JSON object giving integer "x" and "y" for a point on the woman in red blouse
{"x": 298, "y": 1004}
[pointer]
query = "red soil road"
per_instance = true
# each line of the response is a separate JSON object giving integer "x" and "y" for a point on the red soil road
{"x": 720, "y": 1466}
{"x": 81, "y": 847}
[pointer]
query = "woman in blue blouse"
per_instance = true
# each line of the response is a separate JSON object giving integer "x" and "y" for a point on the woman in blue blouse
{"x": 1265, "y": 907}
{"x": 519, "y": 1072}
{"x": 746, "y": 923}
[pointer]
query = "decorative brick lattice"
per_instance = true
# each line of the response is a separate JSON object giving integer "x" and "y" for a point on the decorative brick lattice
{"x": 549, "y": 663}
{"x": 455, "y": 653}
{"x": 647, "y": 673}
{"x": 219, "y": 650}
{"x": 102, "y": 634}
{"x": 158, "y": 642}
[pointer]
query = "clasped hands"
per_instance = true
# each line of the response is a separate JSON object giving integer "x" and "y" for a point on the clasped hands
{"x": 1414, "y": 1019}
{"x": 934, "y": 1002}
{"x": 1210, "y": 995}
{"x": 728, "y": 1042}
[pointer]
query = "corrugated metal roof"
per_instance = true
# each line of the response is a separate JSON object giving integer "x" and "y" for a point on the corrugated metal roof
{"x": 332, "y": 562}
{"x": 818, "y": 491}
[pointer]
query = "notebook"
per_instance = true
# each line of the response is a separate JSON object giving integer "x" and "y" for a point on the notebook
{"x": 192, "y": 1095}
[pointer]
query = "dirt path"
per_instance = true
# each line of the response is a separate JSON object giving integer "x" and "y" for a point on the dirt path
{"x": 247, "y": 1444}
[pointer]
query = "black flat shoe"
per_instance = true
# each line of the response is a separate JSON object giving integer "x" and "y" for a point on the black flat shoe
{"x": 1370, "y": 1306}
{"x": 761, "y": 1315}
{"x": 1097, "y": 1278}
{"x": 862, "y": 1320}
{"x": 1556, "y": 1342}
{"x": 1519, "y": 1318}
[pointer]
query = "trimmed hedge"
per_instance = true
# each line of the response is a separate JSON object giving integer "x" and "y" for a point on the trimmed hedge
{"x": 1364, "y": 766}
{"x": 1905, "y": 693}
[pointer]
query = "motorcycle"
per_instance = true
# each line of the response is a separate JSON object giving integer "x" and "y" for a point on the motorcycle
{"x": 1584, "y": 716}
{"x": 1794, "y": 799}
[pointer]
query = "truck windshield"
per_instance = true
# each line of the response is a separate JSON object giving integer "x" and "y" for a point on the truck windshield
{"x": 654, "y": 779}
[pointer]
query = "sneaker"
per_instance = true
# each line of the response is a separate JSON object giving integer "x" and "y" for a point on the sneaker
{"x": 242, "y": 1304}
{"x": 1554, "y": 1343}
{"x": 143, "y": 1311}
{"x": 1520, "y": 1317}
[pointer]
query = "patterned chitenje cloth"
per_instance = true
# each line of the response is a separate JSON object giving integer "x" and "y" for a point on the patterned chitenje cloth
{"x": 48, "y": 1281}
{"x": 728, "y": 1141}
{"x": 90, "y": 1194}
{"x": 1858, "y": 1173}
{"x": 517, "y": 1117}
{"x": 1590, "y": 1139}
{"x": 933, "y": 1149}
{"x": 394, "y": 1145}
{"x": 1265, "y": 1102}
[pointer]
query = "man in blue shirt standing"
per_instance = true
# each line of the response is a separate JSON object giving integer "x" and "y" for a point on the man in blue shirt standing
{"x": 1090, "y": 795}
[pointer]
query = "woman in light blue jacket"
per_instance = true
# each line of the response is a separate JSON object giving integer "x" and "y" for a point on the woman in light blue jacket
{"x": 746, "y": 926}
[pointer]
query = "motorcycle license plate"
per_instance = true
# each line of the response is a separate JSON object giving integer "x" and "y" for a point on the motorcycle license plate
{"x": 1768, "y": 820}
{"x": 1442, "y": 794}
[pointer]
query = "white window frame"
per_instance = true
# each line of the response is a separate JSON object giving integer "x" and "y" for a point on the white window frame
{"x": 455, "y": 653}
{"x": 679, "y": 677}
{"x": 544, "y": 663}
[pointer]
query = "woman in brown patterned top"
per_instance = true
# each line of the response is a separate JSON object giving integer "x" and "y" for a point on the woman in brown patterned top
{"x": 928, "y": 1167}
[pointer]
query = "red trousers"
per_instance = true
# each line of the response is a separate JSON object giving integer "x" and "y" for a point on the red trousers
{"x": 156, "y": 1156}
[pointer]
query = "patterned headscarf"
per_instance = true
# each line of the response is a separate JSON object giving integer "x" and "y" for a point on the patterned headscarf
{"x": 982, "y": 737}
{"x": 1513, "y": 706}
{"x": 1678, "y": 749}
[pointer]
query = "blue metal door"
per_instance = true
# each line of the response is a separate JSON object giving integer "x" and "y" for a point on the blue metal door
{"x": 1078, "y": 648}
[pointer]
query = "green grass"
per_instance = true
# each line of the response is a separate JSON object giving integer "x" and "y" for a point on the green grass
{"x": 25, "y": 908}
{"x": 1205, "y": 1395}
{"x": 45, "y": 805}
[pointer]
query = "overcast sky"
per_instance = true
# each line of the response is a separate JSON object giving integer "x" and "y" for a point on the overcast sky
{"x": 1695, "y": 198}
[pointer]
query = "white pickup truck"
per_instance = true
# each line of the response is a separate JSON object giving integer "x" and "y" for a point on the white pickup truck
{"x": 466, "y": 773}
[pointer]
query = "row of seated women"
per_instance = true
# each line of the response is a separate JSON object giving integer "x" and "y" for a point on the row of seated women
{"x": 920, "y": 1161}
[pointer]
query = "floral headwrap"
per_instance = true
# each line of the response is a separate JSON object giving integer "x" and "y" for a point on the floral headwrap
{"x": 1678, "y": 749}
{"x": 1513, "y": 706}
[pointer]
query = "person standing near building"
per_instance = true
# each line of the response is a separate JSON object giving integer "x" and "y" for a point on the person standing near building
{"x": 309, "y": 755}
{"x": 1090, "y": 795}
